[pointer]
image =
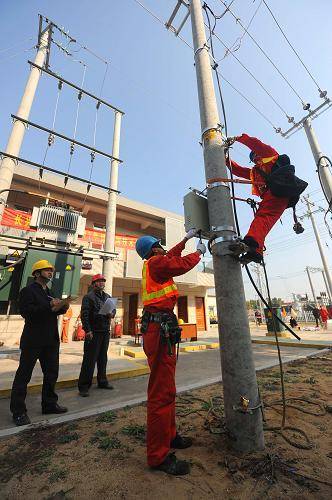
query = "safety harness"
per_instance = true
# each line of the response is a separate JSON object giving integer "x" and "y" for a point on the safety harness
{"x": 170, "y": 332}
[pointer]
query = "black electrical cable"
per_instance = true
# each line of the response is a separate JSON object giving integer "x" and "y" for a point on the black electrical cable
{"x": 206, "y": 8}
{"x": 329, "y": 201}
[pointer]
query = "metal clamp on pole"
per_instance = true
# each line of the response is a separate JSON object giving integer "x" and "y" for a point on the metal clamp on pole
{"x": 244, "y": 406}
{"x": 223, "y": 228}
{"x": 212, "y": 185}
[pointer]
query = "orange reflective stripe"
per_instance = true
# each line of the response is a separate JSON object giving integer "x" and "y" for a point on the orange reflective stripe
{"x": 153, "y": 292}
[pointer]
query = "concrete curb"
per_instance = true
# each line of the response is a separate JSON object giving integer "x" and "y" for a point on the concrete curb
{"x": 34, "y": 388}
{"x": 306, "y": 344}
{"x": 134, "y": 402}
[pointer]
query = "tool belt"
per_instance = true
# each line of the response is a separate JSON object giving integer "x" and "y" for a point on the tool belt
{"x": 170, "y": 332}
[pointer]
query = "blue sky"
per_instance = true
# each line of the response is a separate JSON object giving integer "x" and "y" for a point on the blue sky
{"x": 151, "y": 77}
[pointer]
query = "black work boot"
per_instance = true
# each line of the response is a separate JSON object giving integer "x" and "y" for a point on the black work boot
{"x": 21, "y": 419}
{"x": 181, "y": 442}
{"x": 54, "y": 409}
{"x": 171, "y": 465}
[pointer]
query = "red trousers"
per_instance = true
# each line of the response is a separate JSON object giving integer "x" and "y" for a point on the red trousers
{"x": 161, "y": 396}
{"x": 270, "y": 210}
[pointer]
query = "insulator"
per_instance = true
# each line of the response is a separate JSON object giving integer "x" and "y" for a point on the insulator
{"x": 290, "y": 119}
{"x": 322, "y": 93}
{"x": 72, "y": 148}
{"x": 278, "y": 130}
{"x": 306, "y": 106}
{"x": 88, "y": 188}
{"x": 50, "y": 140}
{"x": 80, "y": 95}
{"x": 60, "y": 84}
{"x": 66, "y": 180}
{"x": 93, "y": 156}
{"x": 41, "y": 171}
{"x": 98, "y": 104}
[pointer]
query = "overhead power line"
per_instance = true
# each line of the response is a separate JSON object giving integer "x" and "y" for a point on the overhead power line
{"x": 158, "y": 19}
{"x": 238, "y": 21}
{"x": 290, "y": 119}
{"x": 322, "y": 93}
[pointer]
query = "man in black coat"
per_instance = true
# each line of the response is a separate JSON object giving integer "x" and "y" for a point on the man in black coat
{"x": 97, "y": 337}
{"x": 39, "y": 340}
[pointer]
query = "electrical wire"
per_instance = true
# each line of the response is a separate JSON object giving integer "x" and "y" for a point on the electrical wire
{"x": 238, "y": 21}
{"x": 277, "y": 129}
{"x": 291, "y": 46}
{"x": 16, "y": 45}
{"x": 206, "y": 6}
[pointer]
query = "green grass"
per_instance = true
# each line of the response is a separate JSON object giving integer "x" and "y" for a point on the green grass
{"x": 58, "y": 475}
{"x": 67, "y": 438}
{"x": 110, "y": 443}
{"x": 108, "y": 417}
{"x": 136, "y": 431}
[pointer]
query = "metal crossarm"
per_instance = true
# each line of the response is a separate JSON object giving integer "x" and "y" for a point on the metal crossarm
{"x": 67, "y": 82}
{"x": 64, "y": 137}
{"x": 39, "y": 165}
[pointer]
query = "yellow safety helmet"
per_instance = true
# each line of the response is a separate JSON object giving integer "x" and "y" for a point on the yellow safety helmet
{"x": 40, "y": 265}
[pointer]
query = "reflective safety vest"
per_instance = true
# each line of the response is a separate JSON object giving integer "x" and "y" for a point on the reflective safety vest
{"x": 264, "y": 164}
{"x": 153, "y": 292}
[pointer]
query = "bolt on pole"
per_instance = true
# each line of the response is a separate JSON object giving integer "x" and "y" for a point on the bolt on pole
{"x": 322, "y": 166}
{"x": 111, "y": 205}
{"x": 18, "y": 130}
{"x": 320, "y": 246}
{"x": 237, "y": 364}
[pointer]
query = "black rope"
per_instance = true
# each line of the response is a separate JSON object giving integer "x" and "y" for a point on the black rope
{"x": 207, "y": 8}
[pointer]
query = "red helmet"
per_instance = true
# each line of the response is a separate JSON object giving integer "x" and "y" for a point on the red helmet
{"x": 98, "y": 277}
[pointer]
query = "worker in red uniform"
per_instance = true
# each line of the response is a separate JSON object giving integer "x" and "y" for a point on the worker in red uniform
{"x": 271, "y": 207}
{"x": 160, "y": 334}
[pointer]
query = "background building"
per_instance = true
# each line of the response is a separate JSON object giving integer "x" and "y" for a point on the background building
{"x": 80, "y": 255}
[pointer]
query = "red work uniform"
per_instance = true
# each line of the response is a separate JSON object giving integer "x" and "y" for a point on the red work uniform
{"x": 160, "y": 295}
{"x": 271, "y": 207}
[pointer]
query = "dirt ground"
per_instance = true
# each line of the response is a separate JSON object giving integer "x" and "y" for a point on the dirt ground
{"x": 104, "y": 456}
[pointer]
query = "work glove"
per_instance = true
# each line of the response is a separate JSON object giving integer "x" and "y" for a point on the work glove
{"x": 201, "y": 248}
{"x": 191, "y": 233}
{"x": 230, "y": 140}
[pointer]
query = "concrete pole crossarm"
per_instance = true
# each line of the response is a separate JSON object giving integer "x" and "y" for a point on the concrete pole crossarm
{"x": 238, "y": 371}
{"x": 320, "y": 247}
{"x": 324, "y": 171}
{"x": 111, "y": 204}
{"x": 18, "y": 129}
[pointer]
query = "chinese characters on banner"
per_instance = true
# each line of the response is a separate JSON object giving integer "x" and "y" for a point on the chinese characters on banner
{"x": 16, "y": 218}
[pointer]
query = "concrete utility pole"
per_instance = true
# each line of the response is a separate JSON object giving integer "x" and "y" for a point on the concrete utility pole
{"x": 311, "y": 285}
{"x": 324, "y": 171}
{"x": 18, "y": 130}
{"x": 320, "y": 246}
{"x": 327, "y": 287}
{"x": 111, "y": 205}
{"x": 238, "y": 369}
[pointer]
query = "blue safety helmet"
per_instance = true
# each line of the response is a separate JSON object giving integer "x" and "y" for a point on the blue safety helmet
{"x": 145, "y": 244}
{"x": 252, "y": 156}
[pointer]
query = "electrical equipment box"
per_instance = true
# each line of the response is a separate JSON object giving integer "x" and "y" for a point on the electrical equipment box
{"x": 67, "y": 264}
{"x": 196, "y": 213}
{"x": 10, "y": 279}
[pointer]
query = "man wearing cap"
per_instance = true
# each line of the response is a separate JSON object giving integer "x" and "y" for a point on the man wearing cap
{"x": 39, "y": 340}
{"x": 160, "y": 335}
{"x": 97, "y": 337}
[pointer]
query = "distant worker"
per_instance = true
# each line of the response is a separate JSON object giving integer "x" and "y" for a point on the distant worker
{"x": 258, "y": 317}
{"x": 97, "y": 337}
{"x": 40, "y": 340}
{"x": 324, "y": 316}
{"x": 160, "y": 335}
{"x": 272, "y": 179}
{"x": 316, "y": 315}
{"x": 65, "y": 325}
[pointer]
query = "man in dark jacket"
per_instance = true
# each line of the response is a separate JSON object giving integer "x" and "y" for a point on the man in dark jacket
{"x": 40, "y": 340}
{"x": 97, "y": 337}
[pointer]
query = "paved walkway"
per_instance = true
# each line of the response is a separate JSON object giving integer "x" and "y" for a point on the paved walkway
{"x": 194, "y": 370}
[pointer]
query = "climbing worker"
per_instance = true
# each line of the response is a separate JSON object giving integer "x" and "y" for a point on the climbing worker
{"x": 272, "y": 179}
{"x": 40, "y": 340}
{"x": 160, "y": 335}
{"x": 97, "y": 337}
